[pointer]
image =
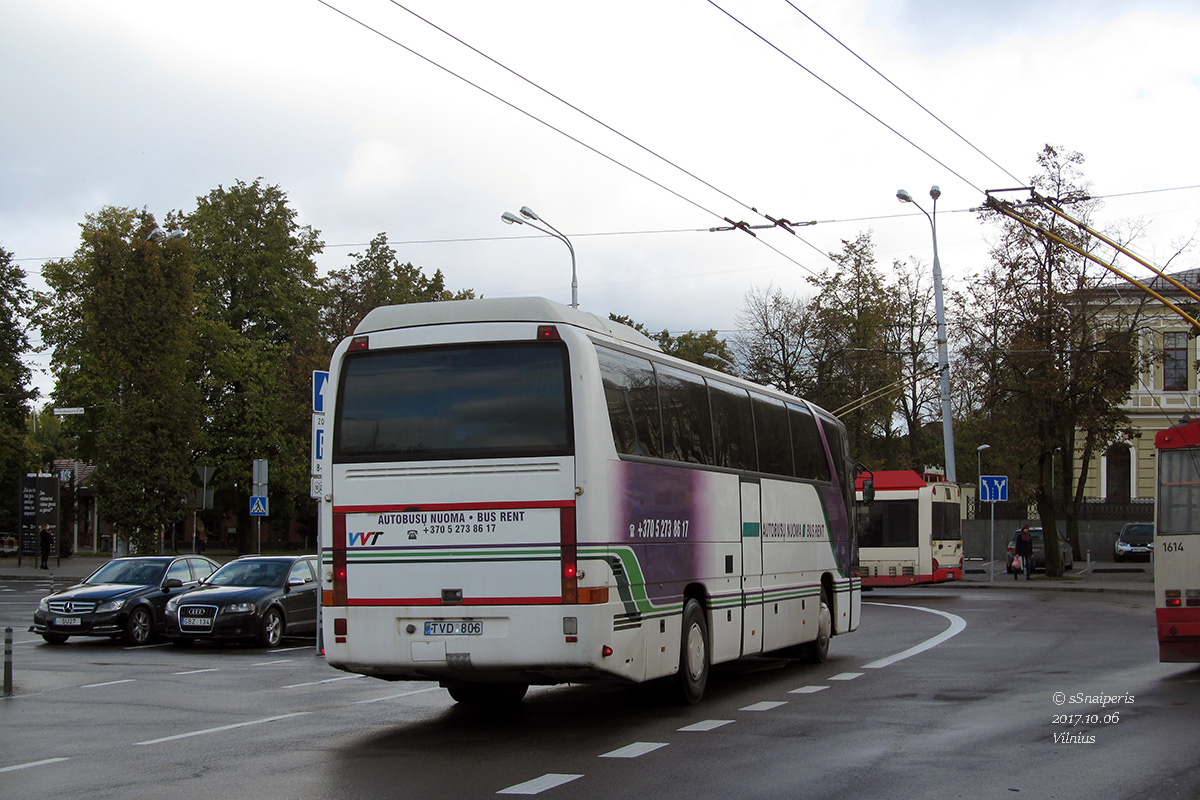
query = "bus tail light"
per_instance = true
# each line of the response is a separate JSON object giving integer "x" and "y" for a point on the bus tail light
{"x": 936, "y": 566}
{"x": 340, "y": 593}
{"x": 1173, "y": 598}
{"x": 570, "y": 567}
{"x": 548, "y": 333}
{"x": 360, "y": 343}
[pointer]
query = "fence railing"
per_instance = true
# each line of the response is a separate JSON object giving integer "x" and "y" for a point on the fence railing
{"x": 1098, "y": 510}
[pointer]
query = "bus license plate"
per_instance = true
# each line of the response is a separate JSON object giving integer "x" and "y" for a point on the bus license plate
{"x": 66, "y": 621}
{"x": 457, "y": 628}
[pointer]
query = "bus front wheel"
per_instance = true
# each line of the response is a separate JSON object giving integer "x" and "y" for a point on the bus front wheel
{"x": 693, "y": 653}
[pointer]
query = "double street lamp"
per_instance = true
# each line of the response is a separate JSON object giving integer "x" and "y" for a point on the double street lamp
{"x": 943, "y": 351}
{"x": 530, "y": 218}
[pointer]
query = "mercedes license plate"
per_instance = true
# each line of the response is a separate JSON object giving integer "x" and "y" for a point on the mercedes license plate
{"x": 454, "y": 628}
{"x": 67, "y": 621}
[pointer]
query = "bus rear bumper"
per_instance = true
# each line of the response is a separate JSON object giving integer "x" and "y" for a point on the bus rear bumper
{"x": 1178, "y": 634}
{"x": 528, "y": 644}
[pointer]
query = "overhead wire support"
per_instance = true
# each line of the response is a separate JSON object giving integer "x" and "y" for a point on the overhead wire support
{"x": 1010, "y": 210}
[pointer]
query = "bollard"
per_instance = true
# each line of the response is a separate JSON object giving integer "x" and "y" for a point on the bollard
{"x": 1089, "y": 562}
{"x": 8, "y": 644}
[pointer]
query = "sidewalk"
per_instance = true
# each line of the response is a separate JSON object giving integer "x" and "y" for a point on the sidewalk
{"x": 1104, "y": 576}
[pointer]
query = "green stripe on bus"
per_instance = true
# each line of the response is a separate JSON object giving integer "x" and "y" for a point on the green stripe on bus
{"x": 750, "y": 529}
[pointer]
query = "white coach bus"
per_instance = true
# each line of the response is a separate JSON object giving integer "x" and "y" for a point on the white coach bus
{"x": 517, "y": 492}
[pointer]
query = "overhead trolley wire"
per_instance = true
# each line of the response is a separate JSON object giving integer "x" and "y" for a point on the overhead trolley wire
{"x": 845, "y": 96}
{"x": 781, "y": 223}
{"x": 891, "y": 83}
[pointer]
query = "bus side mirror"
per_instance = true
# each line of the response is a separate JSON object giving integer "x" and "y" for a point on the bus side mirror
{"x": 868, "y": 490}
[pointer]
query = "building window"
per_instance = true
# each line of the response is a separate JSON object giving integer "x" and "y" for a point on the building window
{"x": 1175, "y": 365}
{"x": 1119, "y": 474}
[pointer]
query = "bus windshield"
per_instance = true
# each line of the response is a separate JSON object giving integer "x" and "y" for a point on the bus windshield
{"x": 462, "y": 401}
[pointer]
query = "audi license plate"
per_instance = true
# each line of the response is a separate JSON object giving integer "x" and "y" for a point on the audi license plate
{"x": 67, "y": 621}
{"x": 454, "y": 628}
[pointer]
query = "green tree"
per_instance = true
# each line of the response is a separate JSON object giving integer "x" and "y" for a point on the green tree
{"x": 118, "y": 317}
{"x": 853, "y": 315}
{"x": 16, "y": 394}
{"x": 376, "y": 278}
{"x": 1057, "y": 365}
{"x": 913, "y": 338}
{"x": 259, "y": 342}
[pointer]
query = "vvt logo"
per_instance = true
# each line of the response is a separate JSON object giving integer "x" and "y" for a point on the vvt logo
{"x": 364, "y": 538}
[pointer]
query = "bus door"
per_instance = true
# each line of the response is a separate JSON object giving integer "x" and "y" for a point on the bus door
{"x": 752, "y": 567}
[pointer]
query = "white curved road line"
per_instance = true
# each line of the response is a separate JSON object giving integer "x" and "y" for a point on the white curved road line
{"x": 957, "y": 626}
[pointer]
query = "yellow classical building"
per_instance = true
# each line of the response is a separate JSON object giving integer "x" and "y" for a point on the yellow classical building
{"x": 1165, "y": 391}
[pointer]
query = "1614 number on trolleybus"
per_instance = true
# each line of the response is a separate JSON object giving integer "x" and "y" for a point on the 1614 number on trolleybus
{"x": 1177, "y": 543}
{"x": 522, "y": 493}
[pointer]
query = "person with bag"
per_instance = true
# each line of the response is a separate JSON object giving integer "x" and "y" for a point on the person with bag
{"x": 1024, "y": 551}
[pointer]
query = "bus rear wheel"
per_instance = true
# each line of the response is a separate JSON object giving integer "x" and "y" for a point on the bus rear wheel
{"x": 817, "y": 650}
{"x": 693, "y": 654}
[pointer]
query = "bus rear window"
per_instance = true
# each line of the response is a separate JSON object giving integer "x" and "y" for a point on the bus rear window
{"x": 465, "y": 401}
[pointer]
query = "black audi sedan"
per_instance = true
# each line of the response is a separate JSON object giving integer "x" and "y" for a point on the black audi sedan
{"x": 260, "y": 598}
{"x": 123, "y": 598}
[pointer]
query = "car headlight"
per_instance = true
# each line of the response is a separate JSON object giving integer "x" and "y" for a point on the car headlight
{"x": 44, "y": 604}
{"x": 111, "y": 605}
{"x": 239, "y": 608}
{"x": 173, "y": 604}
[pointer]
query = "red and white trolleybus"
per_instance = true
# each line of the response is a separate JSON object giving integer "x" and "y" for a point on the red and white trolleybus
{"x": 1177, "y": 543}
{"x": 913, "y": 531}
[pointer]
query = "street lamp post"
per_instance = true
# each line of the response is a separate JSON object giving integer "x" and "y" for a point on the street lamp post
{"x": 530, "y": 217}
{"x": 943, "y": 351}
{"x": 978, "y": 492}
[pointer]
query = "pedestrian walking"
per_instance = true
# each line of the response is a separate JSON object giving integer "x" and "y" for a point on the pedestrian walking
{"x": 47, "y": 541}
{"x": 1024, "y": 549}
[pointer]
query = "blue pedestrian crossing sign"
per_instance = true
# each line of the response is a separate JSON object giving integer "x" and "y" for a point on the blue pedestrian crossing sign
{"x": 258, "y": 506}
{"x": 993, "y": 488}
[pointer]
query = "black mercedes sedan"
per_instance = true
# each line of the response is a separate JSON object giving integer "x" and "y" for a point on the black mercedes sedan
{"x": 259, "y": 598}
{"x": 123, "y": 598}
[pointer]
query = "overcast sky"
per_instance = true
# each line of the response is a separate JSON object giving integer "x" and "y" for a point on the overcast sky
{"x": 152, "y": 104}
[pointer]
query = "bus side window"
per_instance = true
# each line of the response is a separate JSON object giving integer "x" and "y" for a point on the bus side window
{"x": 733, "y": 427}
{"x": 631, "y": 394}
{"x": 774, "y": 438}
{"x": 806, "y": 445}
{"x": 687, "y": 424}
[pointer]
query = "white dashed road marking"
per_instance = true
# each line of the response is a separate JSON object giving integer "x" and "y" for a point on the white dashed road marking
{"x": 29, "y": 764}
{"x": 539, "y": 785}
{"x": 765, "y": 705}
{"x": 705, "y": 725}
{"x": 190, "y": 734}
{"x": 634, "y": 750}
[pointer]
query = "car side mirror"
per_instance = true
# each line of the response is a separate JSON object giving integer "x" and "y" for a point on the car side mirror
{"x": 868, "y": 490}
{"x": 296, "y": 581}
{"x": 172, "y": 583}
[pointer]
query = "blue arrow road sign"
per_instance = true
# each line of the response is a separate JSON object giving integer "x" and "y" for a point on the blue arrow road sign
{"x": 320, "y": 380}
{"x": 993, "y": 488}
